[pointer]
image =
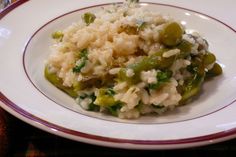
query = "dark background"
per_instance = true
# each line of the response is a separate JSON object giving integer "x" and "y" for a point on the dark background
{"x": 21, "y": 139}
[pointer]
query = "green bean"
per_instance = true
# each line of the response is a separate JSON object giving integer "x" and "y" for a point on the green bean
{"x": 215, "y": 71}
{"x": 171, "y": 35}
{"x": 192, "y": 88}
{"x": 147, "y": 63}
{"x": 193, "y": 85}
{"x": 209, "y": 58}
{"x": 104, "y": 98}
{"x": 185, "y": 48}
{"x": 55, "y": 80}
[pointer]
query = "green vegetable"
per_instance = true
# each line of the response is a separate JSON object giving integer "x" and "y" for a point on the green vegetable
{"x": 192, "y": 88}
{"x": 88, "y": 18}
{"x": 57, "y": 35}
{"x": 155, "y": 61}
{"x": 185, "y": 48}
{"x": 92, "y": 106}
{"x": 193, "y": 85}
{"x": 141, "y": 25}
{"x": 83, "y": 58}
{"x": 162, "y": 78}
{"x": 84, "y": 53}
{"x": 171, "y": 35}
{"x": 114, "y": 108}
{"x": 209, "y": 58}
{"x": 55, "y": 80}
{"x": 78, "y": 67}
{"x": 215, "y": 71}
{"x": 83, "y": 96}
{"x": 110, "y": 92}
{"x": 104, "y": 98}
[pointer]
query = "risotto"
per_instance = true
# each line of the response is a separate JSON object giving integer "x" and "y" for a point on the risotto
{"x": 127, "y": 61}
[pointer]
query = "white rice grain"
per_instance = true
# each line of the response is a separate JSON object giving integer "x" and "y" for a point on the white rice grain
{"x": 114, "y": 71}
{"x": 129, "y": 73}
{"x": 170, "y": 53}
{"x": 149, "y": 76}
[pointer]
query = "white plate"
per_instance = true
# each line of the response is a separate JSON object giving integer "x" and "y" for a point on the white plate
{"x": 24, "y": 43}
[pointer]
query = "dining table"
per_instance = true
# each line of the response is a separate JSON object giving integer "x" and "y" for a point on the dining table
{"x": 17, "y": 138}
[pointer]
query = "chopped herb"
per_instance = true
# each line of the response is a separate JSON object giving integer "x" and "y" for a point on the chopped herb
{"x": 192, "y": 69}
{"x": 114, "y": 108}
{"x": 83, "y": 57}
{"x": 93, "y": 97}
{"x": 88, "y": 18}
{"x": 92, "y": 106}
{"x": 83, "y": 96}
{"x": 78, "y": 67}
{"x": 84, "y": 53}
{"x": 141, "y": 25}
{"x": 162, "y": 77}
{"x": 105, "y": 97}
{"x": 139, "y": 106}
{"x": 110, "y": 92}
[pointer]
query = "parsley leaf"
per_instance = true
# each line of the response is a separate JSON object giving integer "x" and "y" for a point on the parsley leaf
{"x": 162, "y": 77}
{"x": 78, "y": 67}
{"x": 141, "y": 25}
{"x": 114, "y": 108}
{"x": 81, "y": 63}
{"x": 110, "y": 92}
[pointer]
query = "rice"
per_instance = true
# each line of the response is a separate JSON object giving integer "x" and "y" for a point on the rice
{"x": 149, "y": 76}
{"x": 119, "y": 61}
{"x": 170, "y": 53}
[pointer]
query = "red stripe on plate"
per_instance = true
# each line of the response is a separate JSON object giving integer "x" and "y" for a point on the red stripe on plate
{"x": 34, "y": 118}
{"x": 8, "y": 9}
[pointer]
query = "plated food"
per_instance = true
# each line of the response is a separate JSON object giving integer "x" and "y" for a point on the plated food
{"x": 127, "y": 61}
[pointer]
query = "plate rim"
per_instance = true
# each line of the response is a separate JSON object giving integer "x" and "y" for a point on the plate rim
{"x": 32, "y": 118}
{"x": 205, "y": 138}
